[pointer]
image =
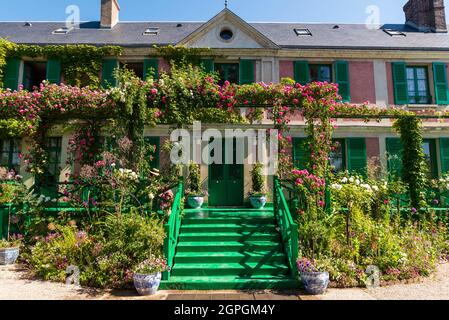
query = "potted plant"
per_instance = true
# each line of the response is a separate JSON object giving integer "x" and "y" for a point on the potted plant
{"x": 257, "y": 197}
{"x": 195, "y": 197}
{"x": 147, "y": 275}
{"x": 10, "y": 249}
{"x": 314, "y": 281}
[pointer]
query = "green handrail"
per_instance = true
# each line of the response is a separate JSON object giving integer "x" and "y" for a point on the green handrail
{"x": 172, "y": 230}
{"x": 289, "y": 229}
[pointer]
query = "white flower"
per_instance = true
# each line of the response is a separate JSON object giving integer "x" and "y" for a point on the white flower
{"x": 344, "y": 180}
{"x": 351, "y": 179}
{"x": 357, "y": 182}
{"x": 375, "y": 188}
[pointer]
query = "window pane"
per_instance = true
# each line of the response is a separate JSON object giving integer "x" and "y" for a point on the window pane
{"x": 320, "y": 73}
{"x": 417, "y": 85}
{"x": 336, "y": 157}
{"x": 410, "y": 73}
{"x": 421, "y": 73}
{"x": 427, "y": 148}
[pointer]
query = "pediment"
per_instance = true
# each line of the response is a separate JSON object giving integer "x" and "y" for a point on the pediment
{"x": 244, "y": 36}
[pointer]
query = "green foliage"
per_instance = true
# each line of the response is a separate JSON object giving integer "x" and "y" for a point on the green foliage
{"x": 413, "y": 159}
{"x": 194, "y": 179}
{"x": 81, "y": 64}
{"x": 257, "y": 179}
{"x": 5, "y": 47}
{"x": 182, "y": 56}
{"x": 106, "y": 258}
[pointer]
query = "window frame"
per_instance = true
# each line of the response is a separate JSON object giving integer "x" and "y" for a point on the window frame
{"x": 47, "y": 176}
{"x": 10, "y": 153}
{"x": 321, "y": 65}
{"x": 227, "y": 65}
{"x": 416, "y": 86}
{"x": 344, "y": 154}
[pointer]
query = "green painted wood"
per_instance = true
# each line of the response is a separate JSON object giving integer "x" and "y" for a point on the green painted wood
{"x": 300, "y": 154}
{"x": 229, "y": 269}
{"x": 151, "y": 68}
{"x": 342, "y": 79}
{"x": 247, "y": 71}
{"x": 108, "y": 78}
{"x": 54, "y": 71}
{"x": 208, "y": 65}
{"x": 230, "y": 257}
{"x": 357, "y": 159}
{"x": 230, "y": 283}
{"x": 394, "y": 154}
{"x": 11, "y": 74}
{"x": 301, "y": 72}
{"x": 400, "y": 83}
{"x": 444, "y": 155}
{"x": 440, "y": 82}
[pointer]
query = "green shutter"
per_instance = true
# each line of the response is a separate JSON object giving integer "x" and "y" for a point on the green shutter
{"x": 151, "y": 67}
{"x": 301, "y": 72}
{"x": 400, "y": 83}
{"x": 154, "y": 141}
{"x": 208, "y": 65}
{"x": 394, "y": 153}
{"x": 54, "y": 71}
{"x": 357, "y": 161}
{"x": 300, "y": 154}
{"x": 108, "y": 78}
{"x": 440, "y": 81}
{"x": 11, "y": 74}
{"x": 247, "y": 71}
{"x": 342, "y": 79}
{"x": 444, "y": 155}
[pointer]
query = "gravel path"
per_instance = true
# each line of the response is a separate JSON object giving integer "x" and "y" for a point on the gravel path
{"x": 16, "y": 284}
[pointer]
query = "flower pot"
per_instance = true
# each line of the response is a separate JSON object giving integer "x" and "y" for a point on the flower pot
{"x": 147, "y": 284}
{"x": 9, "y": 255}
{"x": 195, "y": 202}
{"x": 258, "y": 201}
{"x": 315, "y": 282}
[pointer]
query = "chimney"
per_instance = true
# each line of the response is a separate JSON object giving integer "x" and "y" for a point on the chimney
{"x": 426, "y": 15}
{"x": 109, "y": 13}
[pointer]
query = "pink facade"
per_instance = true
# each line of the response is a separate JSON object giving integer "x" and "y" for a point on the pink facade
{"x": 286, "y": 69}
{"x": 163, "y": 66}
{"x": 390, "y": 84}
{"x": 361, "y": 77}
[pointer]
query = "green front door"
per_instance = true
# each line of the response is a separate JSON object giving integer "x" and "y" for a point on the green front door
{"x": 226, "y": 183}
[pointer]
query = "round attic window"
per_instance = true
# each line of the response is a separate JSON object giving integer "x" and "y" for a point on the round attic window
{"x": 226, "y": 34}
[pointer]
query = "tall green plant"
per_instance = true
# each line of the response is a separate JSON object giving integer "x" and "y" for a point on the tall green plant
{"x": 415, "y": 170}
{"x": 194, "y": 178}
{"x": 257, "y": 179}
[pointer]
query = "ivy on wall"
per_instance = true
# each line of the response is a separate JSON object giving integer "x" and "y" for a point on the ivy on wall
{"x": 80, "y": 64}
{"x": 414, "y": 165}
{"x": 180, "y": 56}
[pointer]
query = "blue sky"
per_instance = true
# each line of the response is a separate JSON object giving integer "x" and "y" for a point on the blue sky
{"x": 350, "y": 11}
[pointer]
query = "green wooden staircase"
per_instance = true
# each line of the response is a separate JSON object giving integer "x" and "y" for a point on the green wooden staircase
{"x": 229, "y": 249}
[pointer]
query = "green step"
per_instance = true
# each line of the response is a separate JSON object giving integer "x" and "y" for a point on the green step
{"x": 207, "y": 214}
{"x": 229, "y": 269}
{"x": 228, "y": 236}
{"x": 230, "y": 227}
{"x": 230, "y": 257}
{"x": 238, "y": 221}
{"x": 230, "y": 283}
{"x": 224, "y": 246}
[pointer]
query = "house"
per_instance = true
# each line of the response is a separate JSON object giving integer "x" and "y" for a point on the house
{"x": 383, "y": 66}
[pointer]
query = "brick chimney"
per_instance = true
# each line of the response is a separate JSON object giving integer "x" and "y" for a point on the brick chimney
{"x": 109, "y": 13}
{"x": 426, "y": 15}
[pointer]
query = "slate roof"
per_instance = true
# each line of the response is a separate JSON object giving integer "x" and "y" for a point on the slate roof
{"x": 350, "y": 36}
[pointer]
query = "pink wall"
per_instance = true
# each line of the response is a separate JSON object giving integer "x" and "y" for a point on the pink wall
{"x": 163, "y": 66}
{"x": 286, "y": 70}
{"x": 390, "y": 84}
{"x": 373, "y": 154}
{"x": 361, "y": 77}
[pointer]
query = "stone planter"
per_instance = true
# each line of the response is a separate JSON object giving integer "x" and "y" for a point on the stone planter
{"x": 315, "y": 282}
{"x": 258, "y": 201}
{"x": 9, "y": 255}
{"x": 195, "y": 202}
{"x": 147, "y": 284}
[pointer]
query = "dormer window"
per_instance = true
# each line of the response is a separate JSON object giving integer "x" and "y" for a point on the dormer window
{"x": 394, "y": 33}
{"x": 63, "y": 30}
{"x": 152, "y": 31}
{"x": 302, "y": 32}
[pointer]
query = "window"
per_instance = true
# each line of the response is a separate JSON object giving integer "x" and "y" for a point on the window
{"x": 136, "y": 67}
{"x": 429, "y": 148}
{"x": 9, "y": 154}
{"x": 63, "y": 30}
{"x": 50, "y": 178}
{"x": 152, "y": 31}
{"x": 320, "y": 73}
{"x": 418, "y": 86}
{"x": 302, "y": 32}
{"x": 226, "y": 34}
{"x": 34, "y": 73}
{"x": 338, "y": 156}
{"x": 394, "y": 33}
{"x": 228, "y": 72}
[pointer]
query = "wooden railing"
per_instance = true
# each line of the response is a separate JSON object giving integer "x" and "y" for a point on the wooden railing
{"x": 172, "y": 228}
{"x": 288, "y": 228}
